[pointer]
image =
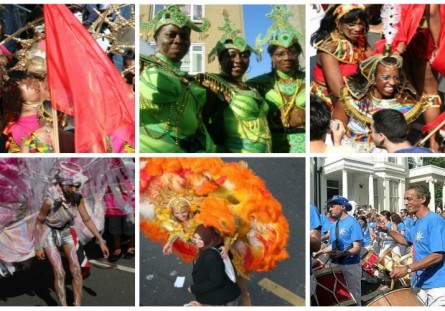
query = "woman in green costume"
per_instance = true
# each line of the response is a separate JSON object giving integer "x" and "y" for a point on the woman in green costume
{"x": 171, "y": 102}
{"x": 284, "y": 87}
{"x": 235, "y": 114}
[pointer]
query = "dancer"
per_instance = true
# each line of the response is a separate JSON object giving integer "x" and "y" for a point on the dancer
{"x": 53, "y": 233}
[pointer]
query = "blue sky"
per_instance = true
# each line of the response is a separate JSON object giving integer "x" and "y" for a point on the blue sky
{"x": 255, "y": 22}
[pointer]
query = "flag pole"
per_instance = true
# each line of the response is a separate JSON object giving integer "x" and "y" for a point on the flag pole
{"x": 55, "y": 131}
{"x": 431, "y": 133}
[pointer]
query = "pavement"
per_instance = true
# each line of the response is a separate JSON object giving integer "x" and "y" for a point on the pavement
{"x": 108, "y": 284}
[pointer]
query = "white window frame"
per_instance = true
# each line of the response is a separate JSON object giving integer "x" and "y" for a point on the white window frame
{"x": 394, "y": 195}
{"x": 191, "y": 6}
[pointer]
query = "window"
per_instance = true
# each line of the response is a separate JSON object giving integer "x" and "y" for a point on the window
{"x": 333, "y": 188}
{"x": 194, "y": 11}
{"x": 193, "y": 62}
{"x": 392, "y": 160}
{"x": 394, "y": 196}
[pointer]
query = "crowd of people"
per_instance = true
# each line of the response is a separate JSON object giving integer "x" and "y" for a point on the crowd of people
{"x": 405, "y": 246}
{"x": 47, "y": 104}
{"x": 221, "y": 112}
{"x": 370, "y": 58}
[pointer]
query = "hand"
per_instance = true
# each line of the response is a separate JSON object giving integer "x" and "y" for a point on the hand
{"x": 104, "y": 250}
{"x": 433, "y": 55}
{"x": 398, "y": 272}
{"x": 224, "y": 251}
{"x": 401, "y": 47}
{"x": 167, "y": 249}
{"x": 40, "y": 254}
{"x": 382, "y": 228}
{"x": 317, "y": 254}
{"x": 338, "y": 130}
{"x": 336, "y": 254}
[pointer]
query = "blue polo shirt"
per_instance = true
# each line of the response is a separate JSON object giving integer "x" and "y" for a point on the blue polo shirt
{"x": 315, "y": 223}
{"x": 428, "y": 236}
{"x": 349, "y": 231}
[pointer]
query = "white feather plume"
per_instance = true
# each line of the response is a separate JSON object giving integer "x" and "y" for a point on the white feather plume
{"x": 390, "y": 19}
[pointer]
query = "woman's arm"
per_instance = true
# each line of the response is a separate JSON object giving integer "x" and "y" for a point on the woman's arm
{"x": 92, "y": 227}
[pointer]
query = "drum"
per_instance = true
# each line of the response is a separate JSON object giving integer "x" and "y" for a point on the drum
{"x": 320, "y": 262}
{"x": 369, "y": 261}
{"x": 388, "y": 260}
{"x": 331, "y": 289}
{"x": 406, "y": 260}
{"x": 398, "y": 297}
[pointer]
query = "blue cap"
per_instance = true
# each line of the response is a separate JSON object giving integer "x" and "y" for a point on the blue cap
{"x": 339, "y": 200}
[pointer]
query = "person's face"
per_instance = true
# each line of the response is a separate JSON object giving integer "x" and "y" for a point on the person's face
{"x": 173, "y": 42}
{"x": 382, "y": 218}
{"x": 354, "y": 30}
{"x": 386, "y": 82}
{"x": 285, "y": 59}
{"x": 412, "y": 201}
{"x": 362, "y": 223}
{"x": 336, "y": 210}
{"x": 234, "y": 63}
{"x": 70, "y": 188}
{"x": 197, "y": 240}
{"x": 130, "y": 63}
{"x": 182, "y": 215}
{"x": 377, "y": 138}
{"x": 30, "y": 92}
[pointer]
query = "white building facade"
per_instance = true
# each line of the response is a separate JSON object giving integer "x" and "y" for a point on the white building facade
{"x": 376, "y": 182}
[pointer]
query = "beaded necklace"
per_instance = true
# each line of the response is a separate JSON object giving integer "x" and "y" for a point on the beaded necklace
{"x": 285, "y": 86}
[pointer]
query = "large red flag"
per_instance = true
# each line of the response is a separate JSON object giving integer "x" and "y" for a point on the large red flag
{"x": 84, "y": 83}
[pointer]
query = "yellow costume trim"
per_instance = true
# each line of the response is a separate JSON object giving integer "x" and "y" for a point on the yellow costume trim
{"x": 341, "y": 49}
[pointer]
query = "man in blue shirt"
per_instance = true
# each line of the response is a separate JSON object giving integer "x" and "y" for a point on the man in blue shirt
{"x": 428, "y": 237}
{"x": 315, "y": 227}
{"x": 345, "y": 244}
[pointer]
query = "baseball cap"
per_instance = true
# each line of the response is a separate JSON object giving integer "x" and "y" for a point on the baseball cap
{"x": 338, "y": 199}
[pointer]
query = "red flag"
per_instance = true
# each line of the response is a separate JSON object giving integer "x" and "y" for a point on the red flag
{"x": 439, "y": 121}
{"x": 84, "y": 83}
{"x": 438, "y": 62}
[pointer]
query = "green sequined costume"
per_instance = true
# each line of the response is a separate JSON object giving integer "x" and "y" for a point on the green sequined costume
{"x": 285, "y": 138}
{"x": 170, "y": 109}
{"x": 243, "y": 120}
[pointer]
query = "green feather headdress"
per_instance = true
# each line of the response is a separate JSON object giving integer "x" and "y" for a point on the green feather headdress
{"x": 281, "y": 32}
{"x": 230, "y": 40}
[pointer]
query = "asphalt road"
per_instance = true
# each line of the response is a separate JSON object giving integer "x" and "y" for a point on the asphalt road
{"x": 284, "y": 286}
{"x": 107, "y": 285}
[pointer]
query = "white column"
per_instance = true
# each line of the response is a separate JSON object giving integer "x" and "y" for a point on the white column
{"x": 432, "y": 205}
{"x": 371, "y": 190}
{"x": 443, "y": 196}
{"x": 385, "y": 205}
{"x": 344, "y": 174}
{"x": 402, "y": 194}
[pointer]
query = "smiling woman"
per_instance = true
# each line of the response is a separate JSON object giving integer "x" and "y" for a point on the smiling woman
{"x": 379, "y": 84}
{"x": 171, "y": 102}
{"x": 235, "y": 114}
